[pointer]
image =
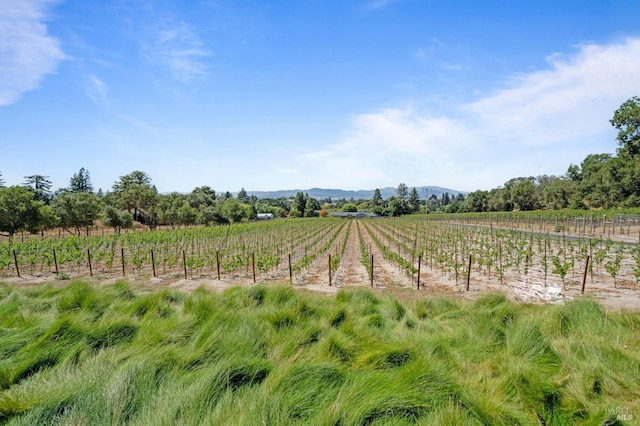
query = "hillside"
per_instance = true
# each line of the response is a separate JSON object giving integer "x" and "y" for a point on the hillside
{"x": 363, "y": 194}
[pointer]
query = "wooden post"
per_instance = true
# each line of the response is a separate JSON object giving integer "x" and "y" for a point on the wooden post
{"x": 584, "y": 277}
{"x": 469, "y": 273}
{"x": 290, "y": 270}
{"x": 89, "y": 259}
{"x": 55, "y": 260}
{"x": 419, "y": 264}
{"x": 218, "y": 263}
{"x": 184, "y": 264}
{"x": 329, "y": 270}
{"x": 153, "y": 264}
{"x": 15, "y": 260}
{"x": 122, "y": 258}
{"x": 500, "y": 261}
{"x": 253, "y": 266}
{"x": 371, "y": 270}
{"x": 545, "y": 261}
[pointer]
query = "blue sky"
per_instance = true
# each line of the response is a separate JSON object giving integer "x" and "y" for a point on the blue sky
{"x": 350, "y": 94}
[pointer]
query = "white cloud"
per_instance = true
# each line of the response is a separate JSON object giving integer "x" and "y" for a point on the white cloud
{"x": 97, "y": 90}
{"x": 571, "y": 100}
{"x": 386, "y": 147}
{"x": 538, "y": 124}
{"x": 27, "y": 51}
{"x": 180, "y": 48}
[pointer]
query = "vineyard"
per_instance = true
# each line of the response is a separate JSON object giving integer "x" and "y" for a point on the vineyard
{"x": 226, "y": 251}
{"x": 443, "y": 253}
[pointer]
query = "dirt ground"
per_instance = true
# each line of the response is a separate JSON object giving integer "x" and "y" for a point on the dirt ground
{"x": 387, "y": 276}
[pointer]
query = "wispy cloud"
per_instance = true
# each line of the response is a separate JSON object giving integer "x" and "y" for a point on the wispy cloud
{"x": 419, "y": 54}
{"x": 179, "y": 47}
{"x": 433, "y": 52}
{"x": 97, "y": 90}
{"x": 538, "y": 123}
{"x": 27, "y": 51}
{"x": 381, "y": 4}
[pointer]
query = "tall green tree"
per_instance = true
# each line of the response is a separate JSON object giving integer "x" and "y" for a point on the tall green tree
{"x": 376, "y": 200}
{"x": 414, "y": 201}
{"x": 523, "y": 193}
{"x": 135, "y": 193}
{"x": 395, "y": 207}
{"x": 477, "y": 201}
{"x": 400, "y": 204}
{"x": 18, "y": 209}
{"x": 498, "y": 199}
{"x": 312, "y": 207}
{"x": 47, "y": 219}
{"x": 168, "y": 208}
{"x": 201, "y": 197}
{"x": 41, "y": 187}
{"x": 402, "y": 191}
{"x": 187, "y": 215}
{"x": 232, "y": 210}
{"x": 558, "y": 193}
{"x": 600, "y": 182}
{"x": 77, "y": 211}
{"x": 626, "y": 119}
{"x": 1, "y": 181}
{"x": 300, "y": 202}
{"x": 117, "y": 219}
{"x": 81, "y": 181}
{"x": 242, "y": 196}
{"x": 210, "y": 214}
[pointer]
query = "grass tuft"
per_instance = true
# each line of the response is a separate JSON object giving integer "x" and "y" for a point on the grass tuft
{"x": 85, "y": 354}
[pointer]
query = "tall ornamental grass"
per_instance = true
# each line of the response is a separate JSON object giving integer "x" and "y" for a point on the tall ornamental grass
{"x": 85, "y": 354}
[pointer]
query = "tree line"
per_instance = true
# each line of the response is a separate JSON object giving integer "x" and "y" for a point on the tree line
{"x": 34, "y": 207}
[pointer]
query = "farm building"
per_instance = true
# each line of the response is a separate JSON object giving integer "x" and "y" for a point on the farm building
{"x": 264, "y": 216}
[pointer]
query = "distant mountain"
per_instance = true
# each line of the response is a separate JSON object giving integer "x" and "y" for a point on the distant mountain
{"x": 363, "y": 194}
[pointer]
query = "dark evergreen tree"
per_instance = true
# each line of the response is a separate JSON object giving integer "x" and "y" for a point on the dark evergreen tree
{"x": 242, "y": 196}
{"x": 402, "y": 191}
{"x": 81, "y": 182}
{"x": 414, "y": 201}
{"x": 300, "y": 202}
{"x": 40, "y": 186}
{"x": 376, "y": 200}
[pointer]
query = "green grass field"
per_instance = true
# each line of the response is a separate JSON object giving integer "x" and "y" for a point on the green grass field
{"x": 86, "y": 354}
